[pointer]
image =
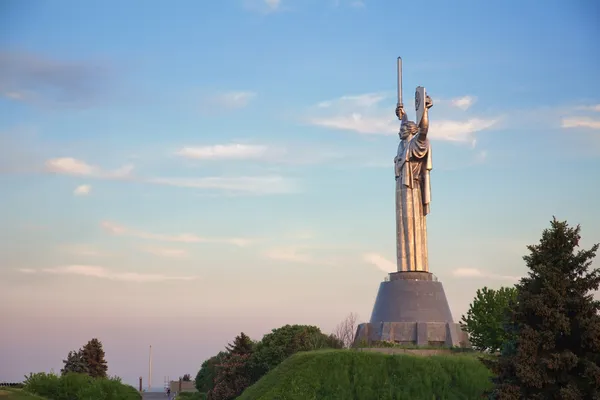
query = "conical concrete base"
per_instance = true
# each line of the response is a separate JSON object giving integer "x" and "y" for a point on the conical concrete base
{"x": 411, "y": 308}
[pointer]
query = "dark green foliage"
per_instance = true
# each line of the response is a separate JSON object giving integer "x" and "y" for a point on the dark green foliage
{"x": 285, "y": 341}
{"x": 186, "y": 378}
{"x": 207, "y": 373}
{"x": 233, "y": 373}
{"x": 233, "y": 377}
{"x": 358, "y": 375}
{"x": 226, "y": 375}
{"x": 93, "y": 354}
{"x": 487, "y": 317}
{"x": 75, "y": 363}
{"x": 556, "y": 350}
{"x": 72, "y": 386}
{"x": 242, "y": 344}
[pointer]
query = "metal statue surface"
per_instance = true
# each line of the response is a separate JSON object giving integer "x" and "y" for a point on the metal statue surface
{"x": 413, "y": 190}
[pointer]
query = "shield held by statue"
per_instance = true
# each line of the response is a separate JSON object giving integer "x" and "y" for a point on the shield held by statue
{"x": 420, "y": 103}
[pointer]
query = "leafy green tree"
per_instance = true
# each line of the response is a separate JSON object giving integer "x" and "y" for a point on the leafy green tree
{"x": 285, "y": 341}
{"x": 93, "y": 353}
{"x": 555, "y": 353}
{"x": 75, "y": 362}
{"x": 487, "y": 316}
{"x": 208, "y": 372}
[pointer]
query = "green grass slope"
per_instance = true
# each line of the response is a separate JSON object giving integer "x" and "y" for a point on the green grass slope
{"x": 347, "y": 375}
{"x": 17, "y": 394}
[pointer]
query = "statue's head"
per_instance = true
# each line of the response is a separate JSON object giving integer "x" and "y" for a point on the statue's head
{"x": 408, "y": 129}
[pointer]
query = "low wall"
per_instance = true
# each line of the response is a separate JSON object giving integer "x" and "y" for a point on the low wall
{"x": 416, "y": 352}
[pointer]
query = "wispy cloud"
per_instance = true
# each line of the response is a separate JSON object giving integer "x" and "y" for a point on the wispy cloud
{"x": 166, "y": 252}
{"x": 104, "y": 273}
{"x": 75, "y": 167}
{"x": 119, "y": 230}
{"x": 364, "y": 114}
{"x": 301, "y": 154}
{"x": 380, "y": 262}
{"x": 40, "y": 80}
{"x": 27, "y": 270}
{"x": 580, "y": 122}
{"x": 464, "y": 103}
{"x": 593, "y": 107}
{"x": 228, "y": 100}
{"x": 82, "y": 190}
{"x": 477, "y": 273}
{"x": 255, "y": 185}
{"x": 236, "y": 151}
{"x": 273, "y": 4}
{"x": 302, "y": 254}
{"x": 263, "y": 6}
{"x": 289, "y": 254}
{"x": 350, "y": 3}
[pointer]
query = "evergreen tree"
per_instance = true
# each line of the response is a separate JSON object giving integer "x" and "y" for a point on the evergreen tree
{"x": 555, "y": 353}
{"x": 242, "y": 344}
{"x": 75, "y": 362}
{"x": 94, "y": 358}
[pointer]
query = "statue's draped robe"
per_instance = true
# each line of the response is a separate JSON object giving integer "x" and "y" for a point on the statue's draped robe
{"x": 413, "y": 196}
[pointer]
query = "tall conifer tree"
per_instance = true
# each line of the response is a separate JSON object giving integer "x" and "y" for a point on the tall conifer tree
{"x": 555, "y": 350}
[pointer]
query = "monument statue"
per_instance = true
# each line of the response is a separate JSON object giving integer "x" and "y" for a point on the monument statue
{"x": 413, "y": 191}
{"x": 411, "y": 306}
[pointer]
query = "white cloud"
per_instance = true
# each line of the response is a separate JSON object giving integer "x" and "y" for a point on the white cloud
{"x": 82, "y": 190}
{"x": 273, "y": 4}
{"x": 257, "y": 185}
{"x": 464, "y": 103}
{"x": 302, "y": 255}
{"x": 230, "y": 100}
{"x": 580, "y": 122}
{"x": 481, "y": 156}
{"x": 289, "y": 254}
{"x": 364, "y": 114}
{"x": 459, "y": 131}
{"x": 380, "y": 262}
{"x": 593, "y": 107}
{"x": 476, "y": 273}
{"x": 103, "y": 273}
{"x": 75, "y": 167}
{"x": 27, "y": 270}
{"x": 166, "y": 252}
{"x": 120, "y": 230}
{"x": 224, "y": 152}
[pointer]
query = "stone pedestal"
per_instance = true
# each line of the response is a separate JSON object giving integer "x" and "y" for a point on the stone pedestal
{"x": 411, "y": 309}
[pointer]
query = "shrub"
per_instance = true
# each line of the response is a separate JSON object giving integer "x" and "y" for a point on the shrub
{"x": 73, "y": 386}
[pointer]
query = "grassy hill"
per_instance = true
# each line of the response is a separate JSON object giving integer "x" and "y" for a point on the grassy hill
{"x": 345, "y": 374}
{"x": 16, "y": 394}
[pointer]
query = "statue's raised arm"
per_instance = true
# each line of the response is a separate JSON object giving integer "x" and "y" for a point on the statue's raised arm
{"x": 424, "y": 124}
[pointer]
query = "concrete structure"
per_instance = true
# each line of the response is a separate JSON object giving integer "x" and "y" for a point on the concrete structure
{"x": 411, "y": 307}
{"x": 182, "y": 386}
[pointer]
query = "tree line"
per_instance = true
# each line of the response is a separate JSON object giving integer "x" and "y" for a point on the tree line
{"x": 545, "y": 330}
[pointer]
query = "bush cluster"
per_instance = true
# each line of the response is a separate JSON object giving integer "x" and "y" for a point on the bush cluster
{"x": 73, "y": 386}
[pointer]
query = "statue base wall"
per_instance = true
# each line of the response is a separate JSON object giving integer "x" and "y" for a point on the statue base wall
{"x": 411, "y": 308}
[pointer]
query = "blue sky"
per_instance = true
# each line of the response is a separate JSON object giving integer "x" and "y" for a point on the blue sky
{"x": 173, "y": 175}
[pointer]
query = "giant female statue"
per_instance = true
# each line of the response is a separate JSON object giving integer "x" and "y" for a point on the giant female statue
{"x": 413, "y": 191}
